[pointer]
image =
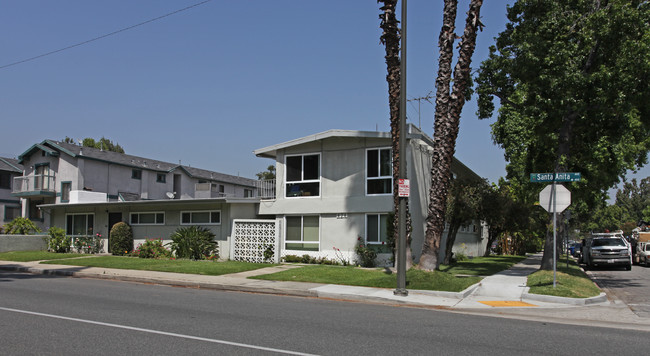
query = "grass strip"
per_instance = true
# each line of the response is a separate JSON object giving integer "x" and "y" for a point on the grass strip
{"x": 30, "y": 256}
{"x": 378, "y": 278}
{"x": 571, "y": 282}
{"x": 482, "y": 266}
{"x": 208, "y": 268}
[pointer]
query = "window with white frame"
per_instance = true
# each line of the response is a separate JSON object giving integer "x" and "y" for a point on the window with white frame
{"x": 204, "y": 217}
{"x": 79, "y": 224}
{"x": 148, "y": 218}
{"x": 302, "y": 233}
{"x": 303, "y": 175}
{"x": 377, "y": 229}
{"x": 66, "y": 187}
{"x": 379, "y": 171}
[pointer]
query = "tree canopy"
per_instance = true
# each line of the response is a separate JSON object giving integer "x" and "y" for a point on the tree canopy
{"x": 103, "y": 143}
{"x": 572, "y": 81}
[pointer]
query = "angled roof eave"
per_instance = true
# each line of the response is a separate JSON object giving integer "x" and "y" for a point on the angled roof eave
{"x": 37, "y": 146}
{"x": 271, "y": 151}
{"x": 10, "y": 164}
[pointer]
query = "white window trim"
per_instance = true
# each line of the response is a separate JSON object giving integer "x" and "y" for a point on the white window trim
{"x": 302, "y": 173}
{"x": 200, "y": 211}
{"x": 378, "y": 229}
{"x": 147, "y": 212}
{"x": 379, "y": 177}
{"x": 86, "y": 229}
{"x": 302, "y": 227}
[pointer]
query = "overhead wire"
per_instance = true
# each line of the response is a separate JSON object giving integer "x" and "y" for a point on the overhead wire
{"x": 104, "y": 36}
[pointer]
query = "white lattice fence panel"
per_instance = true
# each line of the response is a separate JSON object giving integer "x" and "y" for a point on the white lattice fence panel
{"x": 250, "y": 238}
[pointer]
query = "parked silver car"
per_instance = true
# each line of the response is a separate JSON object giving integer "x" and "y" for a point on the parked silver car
{"x": 607, "y": 251}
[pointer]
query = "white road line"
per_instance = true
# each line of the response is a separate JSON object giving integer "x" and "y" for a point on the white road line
{"x": 216, "y": 341}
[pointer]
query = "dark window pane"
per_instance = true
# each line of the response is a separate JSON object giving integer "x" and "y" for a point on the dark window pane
{"x": 160, "y": 218}
{"x": 186, "y": 218}
{"x": 90, "y": 224}
{"x": 385, "y": 166}
{"x": 312, "y": 167}
{"x": 294, "y": 168}
{"x": 373, "y": 160}
{"x": 373, "y": 226}
{"x": 379, "y": 186}
{"x": 215, "y": 217}
{"x": 294, "y": 232}
{"x": 68, "y": 225}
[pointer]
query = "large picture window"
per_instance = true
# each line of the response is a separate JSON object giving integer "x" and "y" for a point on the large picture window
{"x": 152, "y": 218}
{"x": 302, "y": 233}
{"x": 303, "y": 175}
{"x": 377, "y": 229}
{"x": 79, "y": 224}
{"x": 201, "y": 217}
{"x": 379, "y": 171}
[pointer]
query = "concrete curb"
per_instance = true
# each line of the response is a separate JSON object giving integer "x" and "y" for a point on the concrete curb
{"x": 602, "y": 298}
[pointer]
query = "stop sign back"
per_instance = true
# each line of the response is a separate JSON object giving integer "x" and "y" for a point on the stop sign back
{"x": 562, "y": 197}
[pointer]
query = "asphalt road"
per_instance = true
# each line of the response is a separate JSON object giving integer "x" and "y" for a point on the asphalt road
{"x": 632, "y": 287}
{"x": 57, "y": 315}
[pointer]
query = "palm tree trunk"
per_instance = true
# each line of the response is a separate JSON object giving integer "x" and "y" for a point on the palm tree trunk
{"x": 447, "y": 120}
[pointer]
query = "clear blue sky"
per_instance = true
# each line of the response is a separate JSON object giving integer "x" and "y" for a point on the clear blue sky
{"x": 211, "y": 84}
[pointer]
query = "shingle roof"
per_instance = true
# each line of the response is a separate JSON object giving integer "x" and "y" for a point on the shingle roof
{"x": 137, "y": 162}
{"x": 10, "y": 164}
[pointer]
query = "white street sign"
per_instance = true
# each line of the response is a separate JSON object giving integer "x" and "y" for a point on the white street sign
{"x": 562, "y": 197}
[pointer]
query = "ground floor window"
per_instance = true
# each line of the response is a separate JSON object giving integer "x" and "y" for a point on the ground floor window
{"x": 79, "y": 224}
{"x": 35, "y": 212}
{"x": 302, "y": 233}
{"x": 201, "y": 217}
{"x": 152, "y": 218}
{"x": 377, "y": 228}
{"x": 11, "y": 212}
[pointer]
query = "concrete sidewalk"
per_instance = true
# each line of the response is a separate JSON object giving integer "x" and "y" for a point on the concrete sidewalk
{"x": 504, "y": 294}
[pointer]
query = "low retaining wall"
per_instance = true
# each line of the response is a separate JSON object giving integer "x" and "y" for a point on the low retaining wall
{"x": 22, "y": 243}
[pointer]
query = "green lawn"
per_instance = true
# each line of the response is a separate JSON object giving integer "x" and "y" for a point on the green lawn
{"x": 372, "y": 278}
{"x": 28, "y": 256}
{"x": 571, "y": 282}
{"x": 209, "y": 268}
{"x": 482, "y": 266}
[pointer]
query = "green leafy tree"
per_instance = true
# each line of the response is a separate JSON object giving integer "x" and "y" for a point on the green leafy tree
{"x": 462, "y": 207}
{"x": 103, "y": 144}
{"x": 21, "y": 226}
{"x": 633, "y": 199}
{"x": 449, "y": 104}
{"x": 571, "y": 78}
{"x": 268, "y": 174}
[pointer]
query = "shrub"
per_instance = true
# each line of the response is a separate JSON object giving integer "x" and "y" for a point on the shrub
{"x": 194, "y": 242}
{"x": 57, "y": 241}
{"x": 89, "y": 244}
{"x": 152, "y": 248}
{"x": 121, "y": 241}
{"x": 21, "y": 226}
{"x": 367, "y": 255}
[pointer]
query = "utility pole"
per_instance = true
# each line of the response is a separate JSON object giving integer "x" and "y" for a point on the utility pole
{"x": 401, "y": 222}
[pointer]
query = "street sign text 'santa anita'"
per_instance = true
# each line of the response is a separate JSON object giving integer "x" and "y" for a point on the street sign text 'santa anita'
{"x": 554, "y": 177}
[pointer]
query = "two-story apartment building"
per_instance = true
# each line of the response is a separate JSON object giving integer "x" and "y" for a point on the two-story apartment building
{"x": 86, "y": 191}
{"x": 10, "y": 206}
{"x": 335, "y": 187}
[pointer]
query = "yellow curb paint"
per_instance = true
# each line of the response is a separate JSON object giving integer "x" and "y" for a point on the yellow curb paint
{"x": 506, "y": 303}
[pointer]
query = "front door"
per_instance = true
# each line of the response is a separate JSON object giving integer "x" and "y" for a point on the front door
{"x": 113, "y": 218}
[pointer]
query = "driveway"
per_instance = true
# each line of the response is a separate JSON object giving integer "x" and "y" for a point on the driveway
{"x": 631, "y": 287}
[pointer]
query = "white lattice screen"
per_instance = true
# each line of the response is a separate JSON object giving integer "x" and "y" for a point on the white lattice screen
{"x": 250, "y": 238}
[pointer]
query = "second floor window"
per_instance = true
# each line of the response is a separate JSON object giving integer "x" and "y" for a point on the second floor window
{"x": 379, "y": 171}
{"x": 66, "y": 187}
{"x": 136, "y": 174}
{"x": 303, "y": 176}
{"x": 161, "y": 178}
{"x": 5, "y": 180}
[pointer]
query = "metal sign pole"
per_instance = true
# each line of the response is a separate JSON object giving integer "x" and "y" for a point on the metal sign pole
{"x": 554, "y": 199}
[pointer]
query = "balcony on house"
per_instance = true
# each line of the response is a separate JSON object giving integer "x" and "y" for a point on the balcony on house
{"x": 35, "y": 185}
{"x": 266, "y": 188}
{"x": 208, "y": 190}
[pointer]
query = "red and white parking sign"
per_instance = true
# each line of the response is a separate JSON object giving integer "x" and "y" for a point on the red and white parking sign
{"x": 404, "y": 188}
